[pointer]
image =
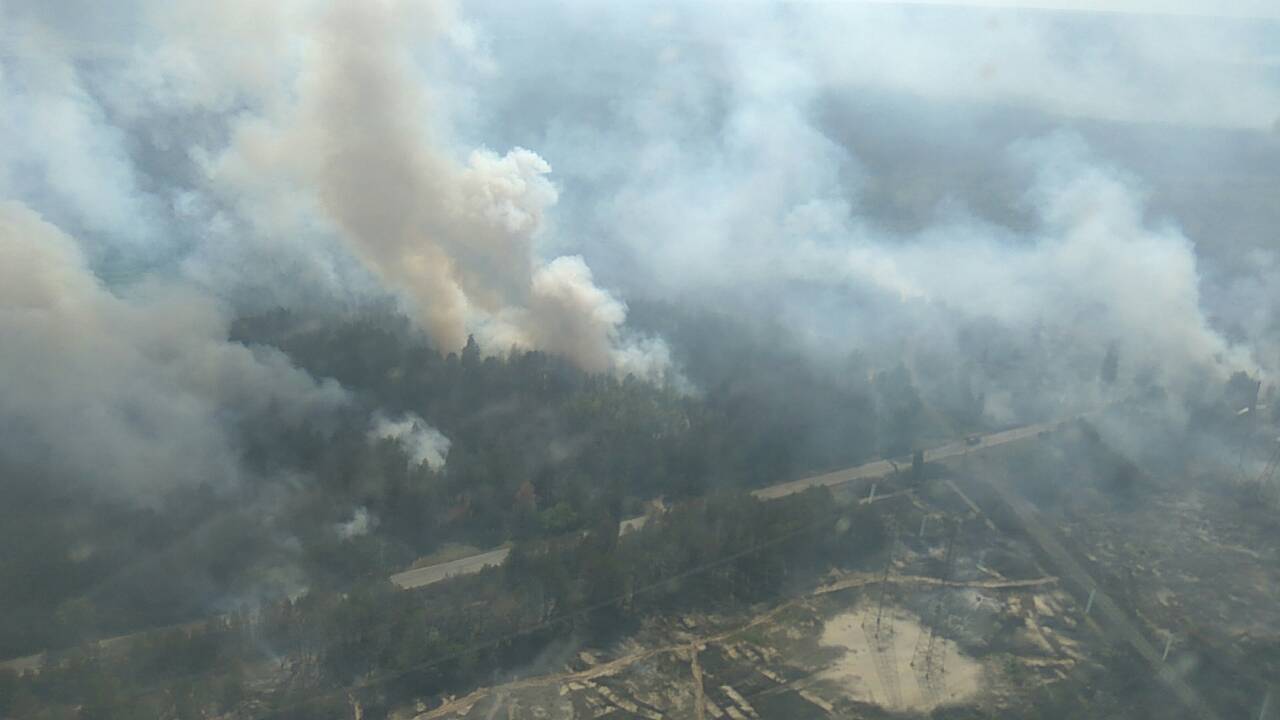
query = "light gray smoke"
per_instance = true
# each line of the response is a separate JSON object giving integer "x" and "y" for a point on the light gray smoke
{"x": 423, "y": 444}
{"x": 946, "y": 186}
{"x": 949, "y": 185}
{"x": 360, "y": 524}
{"x": 132, "y": 393}
{"x": 319, "y": 137}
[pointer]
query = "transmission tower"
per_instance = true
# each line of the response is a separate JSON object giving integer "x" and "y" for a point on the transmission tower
{"x": 928, "y": 661}
{"x": 880, "y": 632}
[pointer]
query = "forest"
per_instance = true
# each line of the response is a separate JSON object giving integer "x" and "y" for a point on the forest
{"x": 538, "y": 453}
{"x": 388, "y": 646}
{"x": 300, "y": 299}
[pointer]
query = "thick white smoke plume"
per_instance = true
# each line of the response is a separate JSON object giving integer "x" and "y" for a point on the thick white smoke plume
{"x": 1093, "y": 269}
{"x": 423, "y": 444}
{"x": 126, "y": 394}
{"x": 941, "y": 186}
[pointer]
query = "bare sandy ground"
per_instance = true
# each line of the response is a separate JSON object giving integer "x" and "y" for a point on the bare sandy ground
{"x": 881, "y": 672}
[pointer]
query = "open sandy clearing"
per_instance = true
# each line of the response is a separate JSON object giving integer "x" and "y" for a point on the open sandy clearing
{"x": 885, "y": 668}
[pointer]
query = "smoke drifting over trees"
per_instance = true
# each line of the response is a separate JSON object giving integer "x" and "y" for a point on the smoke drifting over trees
{"x": 342, "y": 152}
{"x": 753, "y": 171}
{"x": 300, "y": 292}
{"x": 457, "y": 238}
{"x": 423, "y": 444}
{"x": 127, "y": 395}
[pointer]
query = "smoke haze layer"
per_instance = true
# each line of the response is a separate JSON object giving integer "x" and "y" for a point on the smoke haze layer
{"x": 127, "y": 394}
{"x": 992, "y": 195}
{"x": 997, "y": 197}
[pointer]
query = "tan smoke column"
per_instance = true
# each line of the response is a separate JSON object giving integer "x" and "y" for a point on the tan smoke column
{"x": 135, "y": 393}
{"x": 456, "y": 238}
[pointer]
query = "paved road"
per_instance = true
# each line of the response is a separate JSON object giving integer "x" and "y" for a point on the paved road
{"x": 880, "y": 468}
{"x": 421, "y": 577}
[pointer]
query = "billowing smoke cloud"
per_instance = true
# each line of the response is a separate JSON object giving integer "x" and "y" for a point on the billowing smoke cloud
{"x": 566, "y": 310}
{"x": 945, "y": 186}
{"x": 130, "y": 393}
{"x": 260, "y": 173}
{"x": 1092, "y": 268}
{"x": 948, "y": 185}
{"x": 423, "y": 444}
{"x": 458, "y": 238}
